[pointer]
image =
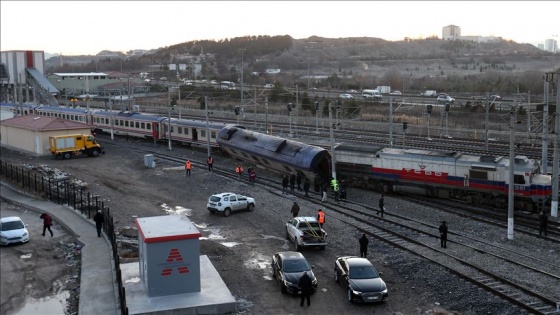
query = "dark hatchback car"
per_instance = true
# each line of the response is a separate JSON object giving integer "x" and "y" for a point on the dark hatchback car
{"x": 288, "y": 267}
{"x": 360, "y": 279}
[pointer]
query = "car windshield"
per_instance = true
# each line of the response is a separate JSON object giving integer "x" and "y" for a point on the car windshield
{"x": 365, "y": 272}
{"x": 14, "y": 225}
{"x": 299, "y": 265}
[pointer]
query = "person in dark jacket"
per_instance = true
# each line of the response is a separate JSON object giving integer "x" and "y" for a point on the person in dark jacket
{"x": 306, "y": 186}
{"x": 443, "y": 234}
{"x": 363, "y": 245}
{"x": 306, "y": 286}
{"x": 47, "y": 222}
{"x": 299, "y": 178}
{"x": 98, "y": 218}
{"x": 295, "y": 209}
{"x": 543, "y": 222}
{"x": 284, "y": 184}
{"x": 381, "y": 206}
{"x": 292, "y": 181}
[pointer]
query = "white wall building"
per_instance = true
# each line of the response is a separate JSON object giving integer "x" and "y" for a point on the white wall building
{"x": 550, "y": 45}
{"x": 451, "y": 32}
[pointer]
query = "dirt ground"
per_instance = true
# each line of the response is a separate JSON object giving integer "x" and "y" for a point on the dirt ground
{"x": 41, "y": 276}
{"x": 240, "y": 246}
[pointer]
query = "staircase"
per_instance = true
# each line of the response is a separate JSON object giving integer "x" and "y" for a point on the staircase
{"x": 44, "y": 90}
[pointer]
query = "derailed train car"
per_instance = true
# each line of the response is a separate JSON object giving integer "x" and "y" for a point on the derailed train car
{"x": 274, "y": 153}
{"x": 482, "y": 180}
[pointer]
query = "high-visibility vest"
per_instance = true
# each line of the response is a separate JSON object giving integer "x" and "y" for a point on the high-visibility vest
{"x": 321, "y": 215}
{"x": 188, "y": 165}
{"x": 239, "y": 169}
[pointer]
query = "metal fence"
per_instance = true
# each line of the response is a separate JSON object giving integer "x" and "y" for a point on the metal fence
{"x": 63, "y": 191}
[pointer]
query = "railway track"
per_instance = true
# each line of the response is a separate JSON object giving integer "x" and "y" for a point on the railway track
{"x": 504, "y": 273}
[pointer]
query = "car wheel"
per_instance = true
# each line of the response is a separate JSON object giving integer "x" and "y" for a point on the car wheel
{"x": 227, "y": 212}
{"x": 95, "y": 152}
{"x": 251, "y": 207}
{"x": 336, "y": 276}
{"x": 287, "y": 235}
{"x": 67, "y": 155}
{"x": 350, "y": 295}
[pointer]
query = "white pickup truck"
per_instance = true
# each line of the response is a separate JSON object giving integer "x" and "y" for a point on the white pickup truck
{"x": 305, "y": 232}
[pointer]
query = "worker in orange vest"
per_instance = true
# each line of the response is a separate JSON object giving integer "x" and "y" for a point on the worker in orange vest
{"x": 239, "y": 171}
{"x": 321, "y": 217}
{"x": 188, "y": 167}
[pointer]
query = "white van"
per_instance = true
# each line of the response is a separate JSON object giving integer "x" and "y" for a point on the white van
{"x": 429, "y": 93}
{"x": 371, "y": 94}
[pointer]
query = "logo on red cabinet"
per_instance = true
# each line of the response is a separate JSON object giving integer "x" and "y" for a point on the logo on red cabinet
{"x": 174, "y": 261}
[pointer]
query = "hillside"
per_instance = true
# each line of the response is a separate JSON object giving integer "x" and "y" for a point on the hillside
{"x": 351, "y": 62}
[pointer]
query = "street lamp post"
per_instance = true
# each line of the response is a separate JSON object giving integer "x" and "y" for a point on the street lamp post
{"x": 169, "y": 118}
{"x": 331, "y": 134}
{"x": 242, "y": 88}
{"x": 207, "y": 124}
{"x": 513, "y": 112}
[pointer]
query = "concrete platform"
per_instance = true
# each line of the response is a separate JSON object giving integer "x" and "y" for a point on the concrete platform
{"x": 213, "y": 298}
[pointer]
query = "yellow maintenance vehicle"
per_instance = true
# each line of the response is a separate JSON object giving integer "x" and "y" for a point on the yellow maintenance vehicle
{"x": 67, "y": 146}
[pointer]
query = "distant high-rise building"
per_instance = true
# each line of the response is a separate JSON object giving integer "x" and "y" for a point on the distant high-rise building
{"x": 550, "y": 45}
{"x": 451, "y": 32}
{"x": 541, "y": 46}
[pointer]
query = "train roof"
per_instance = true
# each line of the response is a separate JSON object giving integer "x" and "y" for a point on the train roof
{"x": 61, "y": 109}
{"x": 355, "y": 147}
{"x": 202, "y": 124}
{"x": 129, "y": 115}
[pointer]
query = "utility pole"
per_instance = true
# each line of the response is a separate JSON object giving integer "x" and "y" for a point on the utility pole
{"x": 331, "y": 132}
{"x": 87, "y": 99}
{"x": 169, "y": 117}
{"x": 207, "y": 124}
{"x": 242, "y": 88}
{"x": 511, "y": 185}
{"x": 544, "y": 157}
{"x": 487, "y": 110}
{"x": 556, "y": 158}
{"x": 266, "y": 114}
{"x": 390, "y": 121}
{"x": 297, "y": 108}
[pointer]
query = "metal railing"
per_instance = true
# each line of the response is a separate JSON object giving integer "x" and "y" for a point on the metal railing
{"x": 63, "y": 191}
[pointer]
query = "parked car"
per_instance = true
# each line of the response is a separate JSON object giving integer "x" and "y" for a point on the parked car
{"x": 346, "y": 96}
{"x": 269, "y": 86}
{"x": 351, "y": 91}
{"x": 227, "y": 202}
{"x": 395, "y": 93}
{"x": 360, "y": 279}
{"x": 288, "y": 267}
{"x": 444, "y": 98}
{"x": 12, "y": 230}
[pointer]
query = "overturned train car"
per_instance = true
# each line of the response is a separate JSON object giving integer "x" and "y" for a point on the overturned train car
{"x": 275, "y": 154}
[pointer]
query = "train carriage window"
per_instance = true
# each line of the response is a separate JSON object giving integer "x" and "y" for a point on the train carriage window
{"x": 519, "y": 179}
{"x": 180, "y": 130}
{"x": 186, "y": 131}
{"x": 106, "y": 121}
{"x": 212, "y": 135}
{"x": 143, "y": 125}
{"x": 203, "y": 133}
{"x": 478, "y": 175}
{"x": 148, "y": 126}
{"x": 126, "y": 123}
{"x": 64, "y": 116}
{"x": 165, "y": 128}
{"x": 137, "y": 124}
{"x": 121, "y": 122}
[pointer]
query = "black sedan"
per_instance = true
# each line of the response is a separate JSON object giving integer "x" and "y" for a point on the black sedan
{"x": 287, "y": 268}
{"x": 360, "y": 279}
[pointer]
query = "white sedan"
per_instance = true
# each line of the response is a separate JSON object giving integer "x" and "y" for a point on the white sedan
{"x": 396, "y": 93}
{"x": 12, "y": 230}
{"x": 346, "y": 96}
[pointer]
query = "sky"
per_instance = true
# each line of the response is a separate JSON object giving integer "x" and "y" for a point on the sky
{"x": 88, "y": 27}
